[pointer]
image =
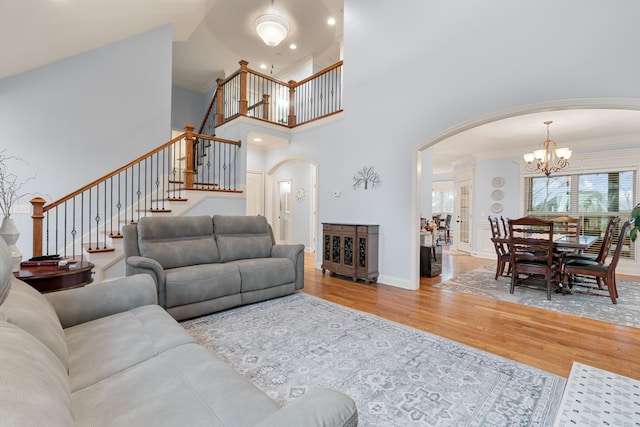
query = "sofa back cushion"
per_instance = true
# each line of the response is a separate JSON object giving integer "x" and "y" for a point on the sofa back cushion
{"x": 34, "y": 386}
{"x": 178, "y": 241}
{"x": 29, "y": 310}
{"x": 242, "y": 237}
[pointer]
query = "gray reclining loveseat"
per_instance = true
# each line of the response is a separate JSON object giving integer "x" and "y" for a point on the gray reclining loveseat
{"x": 204, "y": 264}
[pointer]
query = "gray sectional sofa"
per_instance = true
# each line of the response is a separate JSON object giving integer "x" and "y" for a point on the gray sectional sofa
{"x": 107, "y": 355}
{"x": 203, "y": 264}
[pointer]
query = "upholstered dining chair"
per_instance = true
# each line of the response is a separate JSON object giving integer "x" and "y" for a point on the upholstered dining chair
{"x": 602, "y": 254}
{"x": 531, "y": 249}
{"x": 502, "y": 253}
{"x": 567, "y": 225}
{"x": 597, "y": 269}
{"x": 605, "y": 245}
{"x": 444, "y": 228}
{"x": 505, "y": 227}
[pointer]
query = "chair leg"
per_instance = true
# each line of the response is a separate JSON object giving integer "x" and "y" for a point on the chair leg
{"x": 611, "y": 284}
{"x": 599, "y": 281}
{"x": 549, "y": 286}
{"x": 513, "y": 281}
{"x": 498, "y": 265}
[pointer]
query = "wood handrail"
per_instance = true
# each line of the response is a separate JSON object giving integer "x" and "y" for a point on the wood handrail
{"x": 319, "y": 73}
{"x": 132, "y": 163}
{"x": 112, "y": 174}
{"x": 215, "y": 138}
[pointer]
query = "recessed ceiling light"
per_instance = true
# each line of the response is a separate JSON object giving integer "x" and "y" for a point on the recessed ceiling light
{"x": 257, "y": 139}
{"x": 331, "y": 21}
{"x": 263, "y": 66}
{"x": 293, "y": 46}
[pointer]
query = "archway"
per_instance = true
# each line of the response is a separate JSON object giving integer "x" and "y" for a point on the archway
{"x": 560, "y": 105}
{"x": 301, "y": 204}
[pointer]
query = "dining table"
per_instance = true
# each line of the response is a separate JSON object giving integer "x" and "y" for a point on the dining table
{"x": 578, "y": 243}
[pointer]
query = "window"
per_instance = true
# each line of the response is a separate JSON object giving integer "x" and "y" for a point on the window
{"x": 442, "y": 201}
{"x": 593, "y": 197}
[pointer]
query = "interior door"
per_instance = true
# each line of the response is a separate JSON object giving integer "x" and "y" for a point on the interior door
{"x": 463, "y": 221}
{"x": 283, "y": 223}
{"x": 255, "y": 193}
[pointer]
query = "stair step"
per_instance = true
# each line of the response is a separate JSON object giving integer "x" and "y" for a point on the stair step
{"x": 98, "y": 250}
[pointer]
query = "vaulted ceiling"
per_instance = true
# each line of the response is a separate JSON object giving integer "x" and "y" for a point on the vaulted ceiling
{"x": 211, "y": 36}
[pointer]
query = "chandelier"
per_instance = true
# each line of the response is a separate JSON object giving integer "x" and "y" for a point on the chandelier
{"x": 549, "y": 158}
{"x": 272, "y": 28}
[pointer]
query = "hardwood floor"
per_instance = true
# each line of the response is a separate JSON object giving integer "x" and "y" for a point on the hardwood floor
{"x": 541, "y": 338}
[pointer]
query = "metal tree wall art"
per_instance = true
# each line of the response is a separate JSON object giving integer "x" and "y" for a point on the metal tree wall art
{"x": 366, "y": 177}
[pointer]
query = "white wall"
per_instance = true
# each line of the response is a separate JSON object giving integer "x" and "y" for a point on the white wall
{"x": 187, "y": 107}
{"x": 81, "y": 117}
{"x": 438, "y": 64}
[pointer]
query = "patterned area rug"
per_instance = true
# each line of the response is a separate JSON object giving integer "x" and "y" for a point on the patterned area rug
{"x": 585, "y": 300}
{"x": 397, "y": 375}
{"x": 594, "y": 397}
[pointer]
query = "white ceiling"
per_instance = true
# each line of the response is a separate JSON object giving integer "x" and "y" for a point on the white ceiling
{"x": 585, "y": 130}
{"x": 211, "y": 36}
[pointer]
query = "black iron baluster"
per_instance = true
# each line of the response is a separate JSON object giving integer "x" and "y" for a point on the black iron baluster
{"x": 73, "y": 229}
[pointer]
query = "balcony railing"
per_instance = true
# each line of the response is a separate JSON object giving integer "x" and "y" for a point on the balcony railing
{"x": 252, "y": 94}
{"x": 88, "y": 218}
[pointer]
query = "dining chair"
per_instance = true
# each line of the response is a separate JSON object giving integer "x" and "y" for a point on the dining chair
{"x": 505, "y": 227}
{"x": 598, "y": 269}
{"x": 567, "y": 225}
{"x": 602, "y": 254}
{"x": 444, "y": 228}
{"x": 605, "y": 245}
{"x": 502, "y": 253}
{"x": 531, "y": 249}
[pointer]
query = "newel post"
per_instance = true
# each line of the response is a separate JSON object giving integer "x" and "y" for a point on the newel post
{"x": 189, "y": 171}
{"x": 292, "y": 103}
{"x": 244, "y": 103}
{"x": 220, "y": 114}
{"x": 38, "y": 216}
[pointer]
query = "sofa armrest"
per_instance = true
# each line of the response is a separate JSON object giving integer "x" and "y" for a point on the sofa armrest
{"x": 80, "y": 305}
{"x": 144, "y": 265}
{"x": 320, "y": 407}
{"x": 296, "y": 254}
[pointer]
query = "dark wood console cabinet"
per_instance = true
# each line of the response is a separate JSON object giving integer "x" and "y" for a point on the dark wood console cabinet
{"x": 350, "y": 250}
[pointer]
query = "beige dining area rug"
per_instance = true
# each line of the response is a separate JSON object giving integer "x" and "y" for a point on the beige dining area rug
{"x": 585, "y": 300}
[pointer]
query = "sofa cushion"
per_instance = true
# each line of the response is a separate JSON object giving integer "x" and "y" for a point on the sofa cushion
{"x": 178, "y": 241}
{"x": 197, "y": 283}
{"x": 262, "y": 273}
{"x": 34, "y": 387}
{"x": 29, "y": 310}
{"x": 242, "y": 237}
{"x": 109, "y": 345}
{"x": 184, "y": 386}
